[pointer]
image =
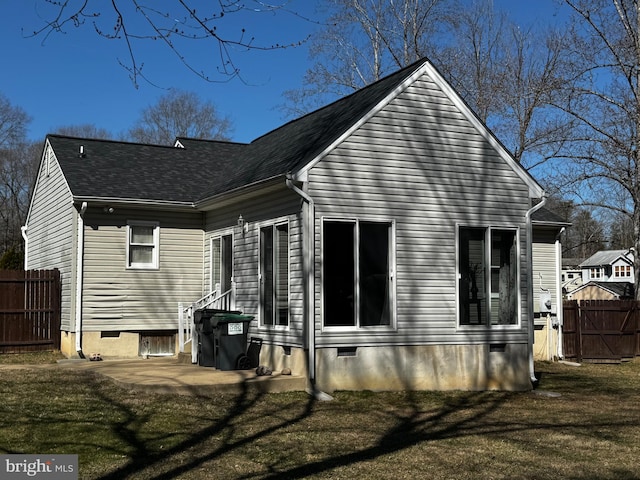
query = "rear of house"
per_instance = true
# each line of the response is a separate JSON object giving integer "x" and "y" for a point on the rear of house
{"x": 383, "y": 242}
{"x": 409, "y": 230}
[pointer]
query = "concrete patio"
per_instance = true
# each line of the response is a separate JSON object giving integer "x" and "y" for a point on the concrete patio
{"x": 171, "y": 375}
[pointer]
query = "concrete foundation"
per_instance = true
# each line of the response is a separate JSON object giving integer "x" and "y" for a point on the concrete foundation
{"x": 120, "y": 345}
{"x": 437, "y": 367}
{"x": 428, "y": 367}
{"x": 277, "y": 358}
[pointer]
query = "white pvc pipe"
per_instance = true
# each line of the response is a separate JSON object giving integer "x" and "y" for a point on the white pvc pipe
{"x": 532, "y": 368}
{"x": 310, "y": 273}
{"x": 79, "y": 278}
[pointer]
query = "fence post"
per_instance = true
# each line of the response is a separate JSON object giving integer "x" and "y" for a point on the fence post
{"x": 579, "y": 332}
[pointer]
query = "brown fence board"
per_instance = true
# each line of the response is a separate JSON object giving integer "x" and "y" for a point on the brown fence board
{"x": 29, "y": 310}
{"x": 601, "y": 330}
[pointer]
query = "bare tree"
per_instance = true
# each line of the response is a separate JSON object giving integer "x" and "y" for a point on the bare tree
{"x": 180, "y": 114}
{"x": 174, "y": 24}
{"x": 13, "y": 123}
{"x": 87, "y": 130}
{"x": 603, "y": 97}
{"x": 363, "y": 41}
{"x": 17, "y": 166}
{"x": 508, "y": 74}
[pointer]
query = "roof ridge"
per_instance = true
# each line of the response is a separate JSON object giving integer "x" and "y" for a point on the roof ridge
{"x": 107, "y": 140}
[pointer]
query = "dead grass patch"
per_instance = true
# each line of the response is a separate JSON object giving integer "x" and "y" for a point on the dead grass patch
{"x": 592, "y": 430}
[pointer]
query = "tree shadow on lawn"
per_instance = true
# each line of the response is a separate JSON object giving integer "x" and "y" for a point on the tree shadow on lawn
{"x": 244, "y": 423}
{"x": 142, "y": 459}
{"x": 462, "y": 415}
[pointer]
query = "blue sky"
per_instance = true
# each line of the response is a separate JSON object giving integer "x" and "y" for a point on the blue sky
{"x": 75, "y": 78}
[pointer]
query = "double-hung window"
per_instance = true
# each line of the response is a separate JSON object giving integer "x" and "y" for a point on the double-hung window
{"x": 488, "y": 285}
{"x": 143, "y": 245}
{"x": 274, "y": 275}
{"x": 357, "y": 273}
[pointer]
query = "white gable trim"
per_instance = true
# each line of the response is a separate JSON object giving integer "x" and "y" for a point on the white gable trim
{"x": 535, "y": 190}
{"x": 48, "y": 155}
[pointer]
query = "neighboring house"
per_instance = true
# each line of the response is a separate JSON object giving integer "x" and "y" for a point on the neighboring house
{"x": 547, "y": 286}
{"x": 603, "y": 291}
{"x": 571, "y": 274}
{"x": 609, "y": 266}
{"x": 382, "y": 242}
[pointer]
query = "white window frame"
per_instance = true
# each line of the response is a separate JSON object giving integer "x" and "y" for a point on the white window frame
{"x": 622, "y": 271}
{"x": 487, "y": 325}
{"x": 392, "y": 327}
{"x": 219, "y": 236}
{"x": 155, "y": 263}
{"x": 261, "y": 314}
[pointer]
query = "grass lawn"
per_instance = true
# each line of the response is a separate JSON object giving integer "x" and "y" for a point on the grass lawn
{"x": 591, "y": 430}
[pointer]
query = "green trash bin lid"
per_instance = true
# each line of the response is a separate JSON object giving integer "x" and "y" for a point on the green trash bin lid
{"x": 232, "y": 317}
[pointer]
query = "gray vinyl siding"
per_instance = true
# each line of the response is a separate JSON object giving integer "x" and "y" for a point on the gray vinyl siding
{"x": 116, "y": 298}
{"x": 50, "y": 229}
{"x": 279, "y": 205}
{"x": 421, "y": 164}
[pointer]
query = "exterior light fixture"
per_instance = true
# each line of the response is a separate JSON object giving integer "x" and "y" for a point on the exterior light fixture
{"x": 244, "y": 226}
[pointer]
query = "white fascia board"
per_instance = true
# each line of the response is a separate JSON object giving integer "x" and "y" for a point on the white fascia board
{"x": 133, "y": 202}
{"x": 240, "y": 192}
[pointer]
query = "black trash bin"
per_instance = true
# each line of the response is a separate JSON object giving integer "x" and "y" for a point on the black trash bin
{"x": 230, "y": 339}
{"x": 206, "y": 326}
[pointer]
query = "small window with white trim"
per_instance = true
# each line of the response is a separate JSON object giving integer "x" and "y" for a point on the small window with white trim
{"x": 142, "y": 245}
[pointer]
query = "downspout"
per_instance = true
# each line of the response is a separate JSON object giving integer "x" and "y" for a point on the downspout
{"x": 531, "y": 211}
{"x": 560, "y": 310}
{"x": 308, "y": 266}
{"x": 23, "y": 230}
{"x": 79, "y": 279}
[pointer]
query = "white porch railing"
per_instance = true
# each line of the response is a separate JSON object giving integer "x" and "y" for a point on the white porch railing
{"x": 186, "y": 328}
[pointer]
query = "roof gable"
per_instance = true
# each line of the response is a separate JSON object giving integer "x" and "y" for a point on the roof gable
{"x": 410, "y": 75}
{"x": 606, "y": 257}
{"x": 619, "y": 289}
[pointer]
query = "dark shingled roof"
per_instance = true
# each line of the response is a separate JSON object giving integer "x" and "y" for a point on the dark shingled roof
{"x": 621, "y": 289}
{"x": 203, "y": 169}
{"x": 544, "y": 215}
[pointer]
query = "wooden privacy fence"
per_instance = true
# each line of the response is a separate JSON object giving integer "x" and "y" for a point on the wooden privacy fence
{"x": 601, "y": 330}
{"x": 29, "y": 310}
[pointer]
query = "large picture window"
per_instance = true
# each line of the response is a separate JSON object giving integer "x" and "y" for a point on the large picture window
{"x": 357, "y": 273}
{"x": 488, "y": 276}
{"x": 142, "y": 245}
{"x": 274, "y": 275}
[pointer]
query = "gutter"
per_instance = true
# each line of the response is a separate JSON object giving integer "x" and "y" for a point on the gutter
{"x": 560, "y": 310}
{"x": 23, "y": 230}
{"x": 308, "y": 271}
{"x": 79, "y": 279}
{"x": 531, "y": 211}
